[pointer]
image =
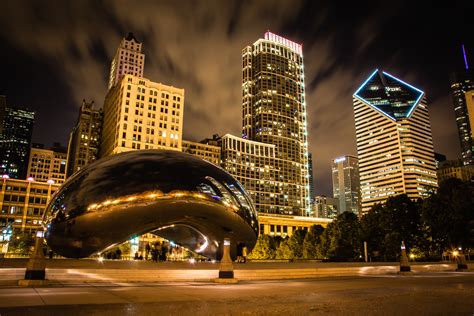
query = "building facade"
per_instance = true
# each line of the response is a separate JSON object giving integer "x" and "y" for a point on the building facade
{"x": 84, "y": 139}
{"x": 128, "y": 59}
{"x": 142, "y": 114}
{"x": 346, "y": 184}
{"x": 47, "y": 164}
{"x": 439, "y": 158}
{"x": 462, "y": 87}
{"x": 207, "y": 152}
{"x": 286, "y": 225}
{"x": 23, "y": 203}
{"x": 274, "y": 112}
{"x": 394, "y": 140}
{"x": 326, "y": 207}
{"x": 15, "y": 139}
{"x": 251, "y": 164}
{"x": 455, "y": 169}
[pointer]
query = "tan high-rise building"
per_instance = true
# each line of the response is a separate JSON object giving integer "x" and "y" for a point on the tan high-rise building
{"x": 207, "y": 152}
{"x": 128, "y": 59}
{"x": 394, "y": 140}
{"x": 47, "y": 164}
{"x": 84, "y": 139}
{"x": 274, "y": 112}
{"x": 142, "y": 114}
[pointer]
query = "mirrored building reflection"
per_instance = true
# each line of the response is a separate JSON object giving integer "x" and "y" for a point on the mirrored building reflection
{"x": 174, "y": 195}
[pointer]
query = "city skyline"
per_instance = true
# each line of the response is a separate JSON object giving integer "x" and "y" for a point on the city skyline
{"x": 74, "y": 50}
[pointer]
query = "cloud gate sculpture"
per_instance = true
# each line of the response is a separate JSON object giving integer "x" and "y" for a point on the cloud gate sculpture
{"x": 174, "y": 195}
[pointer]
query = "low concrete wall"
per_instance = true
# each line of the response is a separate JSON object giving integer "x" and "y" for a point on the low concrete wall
{"x": 280, "y": 272}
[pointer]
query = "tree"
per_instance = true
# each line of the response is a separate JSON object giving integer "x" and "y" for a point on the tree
{"x": 284, "y": 251}
{"x": 448, "y": 215}
{"x": 264, "y": 248}
{"x": 385, "y": 226}
{"x": 292, "y": 247}
{"x": 21, "y": 243}
{"x": 401, "y": 221}
{"x": 311, "y": 243}
{"x": 342, "y": 238}
{"x": 372, "y": 231}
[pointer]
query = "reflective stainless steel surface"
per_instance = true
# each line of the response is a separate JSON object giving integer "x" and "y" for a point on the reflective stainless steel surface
{"x": 172, "y": 194}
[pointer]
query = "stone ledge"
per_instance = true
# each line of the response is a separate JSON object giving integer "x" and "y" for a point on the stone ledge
{"x": 226, "y": 281}
{"x": 33, "y": 283}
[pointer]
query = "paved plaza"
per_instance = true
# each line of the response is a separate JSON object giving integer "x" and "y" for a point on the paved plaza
{"x": 433, "y": 294}
{"x": 90, "y": 287}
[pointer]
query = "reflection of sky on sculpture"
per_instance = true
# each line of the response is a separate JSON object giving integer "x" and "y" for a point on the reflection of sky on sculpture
{"x": 142, "y": 191}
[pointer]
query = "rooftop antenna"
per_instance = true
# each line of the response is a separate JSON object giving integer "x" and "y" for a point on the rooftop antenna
{"x": 465, "y": 58}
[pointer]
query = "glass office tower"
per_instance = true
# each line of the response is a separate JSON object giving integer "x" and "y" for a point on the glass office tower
{"x": 274, "y": 112}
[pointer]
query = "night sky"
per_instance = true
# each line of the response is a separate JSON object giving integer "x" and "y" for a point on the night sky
{"x": 56, "y": 53}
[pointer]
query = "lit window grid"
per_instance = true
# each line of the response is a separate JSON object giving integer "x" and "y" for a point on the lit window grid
{"x": 255, "y": 117}
{"x": 22, "y": 203}
{"x": 46, "y": 165}
{"x": 122, "y": 115}
{"x": 128, "y": 59}
{"x": 207, "y": 152}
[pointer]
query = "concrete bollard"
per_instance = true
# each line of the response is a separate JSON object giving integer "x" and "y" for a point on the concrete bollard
{"x": 461, "y": 261}
{"x": 404, "y": 264}
{"x": 36, "y": 267}
{"x": 226, "y": 267}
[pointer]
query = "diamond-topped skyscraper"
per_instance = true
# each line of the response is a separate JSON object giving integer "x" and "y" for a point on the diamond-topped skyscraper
{"x": 274, "y": 112}
{"x": 394, "y": 140}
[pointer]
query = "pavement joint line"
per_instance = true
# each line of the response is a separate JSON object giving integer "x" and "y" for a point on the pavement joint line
{"x": 41, "y": 298}
{"x": 108, "y": 291}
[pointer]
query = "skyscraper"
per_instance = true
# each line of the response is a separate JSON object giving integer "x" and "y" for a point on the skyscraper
{"x": 127, "y": 60}
{"x": 462, "y": 86}
{"x": 394, "y": 141}
{"x": 139, "y": 113}
{"x": 325, "y": 207}
{"x": 345, "y": 184}
{"x": 84, "y": 139}
{"x": 274, "y": 112}
{"x": 15, "y": 139}
{"x": 311, "y": 178}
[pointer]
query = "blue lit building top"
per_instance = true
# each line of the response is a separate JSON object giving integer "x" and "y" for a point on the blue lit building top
{"x": 389, "y": 95}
